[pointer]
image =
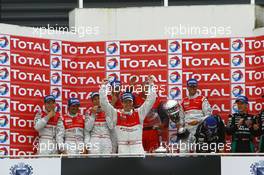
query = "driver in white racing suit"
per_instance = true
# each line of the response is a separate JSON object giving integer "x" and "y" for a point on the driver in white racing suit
{"x": 196, "y": 108}
{"x": 70, "y": 130}
{"x": 99, "y": 126}
{"x": 45, "y": 123}
{"x": 128, "y": 122}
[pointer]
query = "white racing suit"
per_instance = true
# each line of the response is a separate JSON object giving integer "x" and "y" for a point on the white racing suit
{"x": 70, "y": 134}
{"x": 196, "y": 108}
{"x": 128, "y": 125}
{"x": 99, "y": 127}
{"x": 47, "y": 132}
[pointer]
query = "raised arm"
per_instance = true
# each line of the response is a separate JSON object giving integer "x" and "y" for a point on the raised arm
{"x": 39, "y": 122}
{"x": 109, "y": 110}
{"x": 150, "y": 100}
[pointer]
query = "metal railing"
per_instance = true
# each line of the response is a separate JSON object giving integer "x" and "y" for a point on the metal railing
{"x": 130, "y": 155}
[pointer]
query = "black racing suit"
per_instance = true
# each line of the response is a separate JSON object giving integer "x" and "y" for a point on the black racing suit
{"x": 210, "y": 142}
{"x": 242, "y": 135}
{"x": 261, "y": 125}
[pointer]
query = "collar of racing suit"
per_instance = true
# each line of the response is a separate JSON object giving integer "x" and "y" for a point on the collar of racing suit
{"x": 72, "y": 115}
{"x": 127, "y": 113}
{"x": 194, "y": 96}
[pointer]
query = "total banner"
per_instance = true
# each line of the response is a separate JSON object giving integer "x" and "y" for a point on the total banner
{"x": 31, "y": 68}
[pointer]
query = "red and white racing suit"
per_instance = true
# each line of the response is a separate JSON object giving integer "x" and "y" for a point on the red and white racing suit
{"x": 128, "y": 125}
{"x": 99, "y": 127}
{"x": 195, "y": 108}
{"x": 151, "y": 125}
{"x": 47, "y": 132}
{"x": 117, "y": 105}
{"x": 70, "y": 133}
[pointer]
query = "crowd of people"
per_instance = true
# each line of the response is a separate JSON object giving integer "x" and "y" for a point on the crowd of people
{"x": 138, "y": 122}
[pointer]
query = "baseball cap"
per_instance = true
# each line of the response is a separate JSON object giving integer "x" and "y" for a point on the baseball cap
{"x": 210, "y": 122}
{"x": 242, "y": 99}
{"x": 73, "y": 101}
{"x": 192, "y": 82}
{"x": 127, "y": 96}
{"x": 93, "y": 94}
{"x": 49, "y": 98}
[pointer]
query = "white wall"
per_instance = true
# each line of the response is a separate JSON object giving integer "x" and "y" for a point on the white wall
{"x": 33, "y": 32}
{"x": 259, "y": 16}
{"x": 149, "y": 23}
{"x": 159, "y": 22}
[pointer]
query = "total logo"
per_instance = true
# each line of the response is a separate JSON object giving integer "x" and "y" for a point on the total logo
{"x": 55, "y": 47}
{"x": 237, "y": 45}
{"x": 58, "y": 107}
{"x": 238, "y": 76}
{"x": 55, "y": 78}
{"x": 56, "y": 92}
{"x": 255, "y": 59}
{"x": 4, "y": 42}
{"x": 28, "y": 107}
{"x": 255, "y": 75}
{"x": 3, "y": 151}
{"x": 113, "y": 76}
{"x": 255, "y": 44}
{"x": 4, "y": 137}
{"x": 67, "y": 93}
{"x": 4, "y": 73}
{"x": 113, "y": 63}
{"x": 175, "y": 77}
{"x": 175, "y": 92}
{"x": 112, "y": 48}
{"x": 4, "y": 58}
{"x": 175, "y": 61}
{"x": 21, "y": 123}
{"x": 4, "y": 89}
{"x": 234, "y": 107}
{"x": 254, "y": 90}
{"x": 4, "y": 121}
{"x": 237, "y": 60}
{"x": 4, "y": 105}
{"x": 238, "y": 90}
{"x": 22, "y": 138}
{"x": 174, "y": 46}
{"x": 55, "y": 62}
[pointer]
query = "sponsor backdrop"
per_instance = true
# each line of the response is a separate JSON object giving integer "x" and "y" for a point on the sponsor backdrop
{"x": 31, "y": 68}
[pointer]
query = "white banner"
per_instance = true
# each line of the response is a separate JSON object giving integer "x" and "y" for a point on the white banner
{"x": 41, "y": 166}
{"x": 242, "y": 165}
